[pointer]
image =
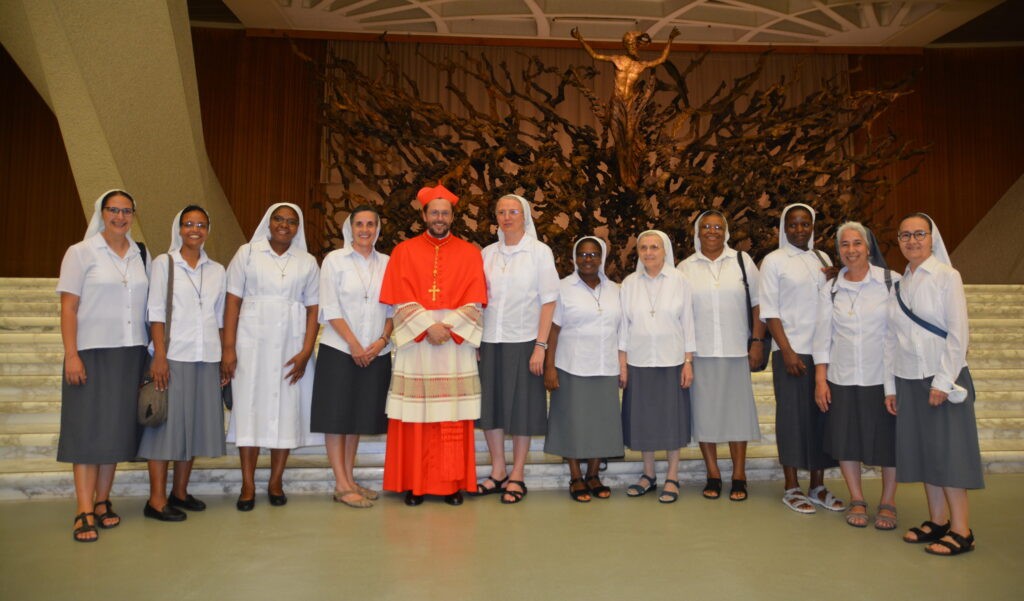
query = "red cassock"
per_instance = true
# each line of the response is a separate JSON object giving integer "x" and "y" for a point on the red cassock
{"x": 431, "y": 455}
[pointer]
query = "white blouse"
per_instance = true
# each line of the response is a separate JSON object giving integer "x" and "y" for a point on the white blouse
{"x": 520, "y": 279}
{"x": 112, "y": 293}
{"x": 257, "y": 271}
{"x": 657, "y": 319}
{"x": 590, "y": 319}
{"x": 851, "y": 329}
{"x": 791, "y": 282}
{"x": 198, "y": 313}
{"x": 720, "y": 302}
{"x": 935, "y": 293}
{"x": 350, "y": 290}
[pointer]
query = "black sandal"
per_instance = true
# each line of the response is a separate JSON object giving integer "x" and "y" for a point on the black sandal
{"x": 738, "y": 486}
{"x": 600, "y": 491}
{"x": 635, "y": 490}
{"x": 668, "y": 496}
{"x": 483, "y": 491}
{"x": 517, "y": 495}
{"x": 714, "y": 485}
{"x": 106, "y": 515}
{"x": 935, "y": 533}
{"x": 963, "y": 544}
{"x": 84, "y": 528}
{"x": 579, "y": 494}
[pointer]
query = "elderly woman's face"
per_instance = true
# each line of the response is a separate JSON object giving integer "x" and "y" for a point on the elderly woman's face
{"x": 511, "y": 219}
{"x": 914, "y": 250}
{"x": 652, "y": 252}
{"x": 194, "y": 228}
{"x": 118, "y": 213}
{"x": 799, "y": 227}
{"x": 284, "y": 224}
{"x": 853, "y": 249}
{"x": 364, "y": 229}
{"x": 711, "y": 232}
{"x": 588, "y": 258}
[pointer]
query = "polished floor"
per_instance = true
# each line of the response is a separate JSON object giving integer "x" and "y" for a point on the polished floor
{"x": 548, "y": 547}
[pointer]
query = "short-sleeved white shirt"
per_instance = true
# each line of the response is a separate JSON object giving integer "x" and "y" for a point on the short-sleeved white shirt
{"x": 791, "y": 283}
{"x": 350, "y": 290}
{"x": 850, "y": 333}
{"x": 198, "y": 313}
{"x": 589, "y": 318}
{"x": 112, "y": 293}
{"x": 720, "y": 302}
{"x": 664, "y": 338}
{"x": 257, "y": 271}
{"x": 520, "y": 279}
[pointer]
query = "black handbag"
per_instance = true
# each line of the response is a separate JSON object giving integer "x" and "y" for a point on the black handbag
{"x": 152, "y": 402}
{"x": 767, "y": 340}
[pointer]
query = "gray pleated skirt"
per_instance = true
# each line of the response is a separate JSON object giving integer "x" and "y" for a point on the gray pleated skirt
{"x": 655, "y": 409}
{"x": 859, "y": 427}
{"x": 722, "y": 400}
{"x": 195, "y": 415}
{"x": 98, "y": 422}
{"x": 584, "y": 421}
{"x": 937, "y": 445}
{"x": 799, "y": 424}
{"x": 511, "y": 398}
{"x": 348, "y": 399}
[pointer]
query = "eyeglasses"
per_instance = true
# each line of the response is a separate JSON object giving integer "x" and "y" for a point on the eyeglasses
{"x": 279, "y": 220}
{"x": 588, "y": 255}
{"x": 199, "y": 225}
{"x": 119, "y": 211}
{"x": 919, "y": 235}
{"x": 512, "y": 212}
{"x": 707, "y": 227}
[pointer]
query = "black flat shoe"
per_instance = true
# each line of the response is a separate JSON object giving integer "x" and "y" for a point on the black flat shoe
{"x": 454, "y": 499}
{"x": 245, "y": 504}
{"x": 167, "y": 514}
{"x": 189, "y": 502}
{"x": 413, "y": 500}
{"x": 277, "y": 500}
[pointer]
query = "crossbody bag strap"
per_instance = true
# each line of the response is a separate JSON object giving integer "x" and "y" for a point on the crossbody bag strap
{"x": 170, "y": 303}
{"x": 821, "y": 258}
{"x": 934, "y": 329}
{"x": 746, "y": 286}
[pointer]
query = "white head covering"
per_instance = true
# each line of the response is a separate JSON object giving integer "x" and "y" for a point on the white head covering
{"x": 783, "y": 240}
{"x": 696, "y": 228}
{"x": 176, "y": 241}
{"x": 96, "y": 224}
{"x": 263, "y": 229}
{"x": 604, "y": 254}
{"x": 349, "y": 236}
{"x": 669, "y": 260}
{"x": 938, "y": 247}
{"x": 527, "y": 218}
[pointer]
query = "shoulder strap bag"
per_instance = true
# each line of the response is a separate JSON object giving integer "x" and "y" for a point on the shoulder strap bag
{"x": 767, "y": 340}
{"x": 934, "y": 329}
{"x": 152, "y": 402}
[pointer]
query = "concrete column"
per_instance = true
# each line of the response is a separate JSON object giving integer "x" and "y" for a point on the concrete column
{"x": 120, "y": 77}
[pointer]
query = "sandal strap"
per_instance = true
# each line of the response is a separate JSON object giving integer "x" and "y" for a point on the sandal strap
{"x": 886, "y": 507}
{"x": 652, "y": 480}
{"x": 860, "y": 504}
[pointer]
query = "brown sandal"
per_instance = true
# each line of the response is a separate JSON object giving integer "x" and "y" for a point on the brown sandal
{"x": 106, "y": 515}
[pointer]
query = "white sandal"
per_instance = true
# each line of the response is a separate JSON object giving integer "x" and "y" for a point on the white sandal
{"x": 794, "y": 499}
{"x": 830, "y": 501}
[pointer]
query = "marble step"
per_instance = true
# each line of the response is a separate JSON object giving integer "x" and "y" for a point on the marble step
{"x": 27, "y": 284}
{"x": 23, "y": 307}
{"x": 30, "y": 323}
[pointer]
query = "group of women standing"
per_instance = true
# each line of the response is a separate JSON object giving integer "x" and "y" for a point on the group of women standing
{"x": 857, "y": 378}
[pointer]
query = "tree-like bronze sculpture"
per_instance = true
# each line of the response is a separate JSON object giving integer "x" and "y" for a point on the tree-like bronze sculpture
{"x": 746, "y": 150}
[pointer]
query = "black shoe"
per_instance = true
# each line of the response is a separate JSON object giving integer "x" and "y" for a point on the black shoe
{"x": 245, "y": 504}
{"x": 167, "y": 514}
{"x": 412, "y": 500}
{"x": 189, "y": 502}
{"x": 453, "y": 499}
{"x": 277, "y": 500}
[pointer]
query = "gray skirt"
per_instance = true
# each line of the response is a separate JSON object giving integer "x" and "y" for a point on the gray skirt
{"x": 584, "y": 419}
{"x": 98, "y": 419}
{"x": 799, "y": 424}
{"x": 722, "y": 400}
{"x": 348, "y": 399}
{"x": 511, "y": 398}
{"x": 195, "y": 416}
{"x": 859, "y": 427}
{"x": 655, "y": 409}
{"x": 937, "y": 445}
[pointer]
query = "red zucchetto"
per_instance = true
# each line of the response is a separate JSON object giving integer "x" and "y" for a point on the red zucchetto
{"x": 425, "y": 195}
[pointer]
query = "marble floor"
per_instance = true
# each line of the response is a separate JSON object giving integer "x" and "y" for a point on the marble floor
{"x": 545, "y": 548}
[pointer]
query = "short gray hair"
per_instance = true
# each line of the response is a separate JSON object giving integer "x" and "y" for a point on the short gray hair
{"x": 855, "y": 226}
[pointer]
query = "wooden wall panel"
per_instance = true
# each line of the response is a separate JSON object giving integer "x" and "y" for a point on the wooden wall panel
{"x": 39, "y": 208}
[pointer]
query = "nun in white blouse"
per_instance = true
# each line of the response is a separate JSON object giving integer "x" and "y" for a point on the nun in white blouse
{"x": 270, "y": 326}
{"x": 931, "y": 392}
{"x": 722, "y": 397}
{"x": 656, "y": 362}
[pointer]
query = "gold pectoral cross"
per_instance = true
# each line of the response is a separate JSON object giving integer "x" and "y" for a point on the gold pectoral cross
{"x": 433, "y": 291}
